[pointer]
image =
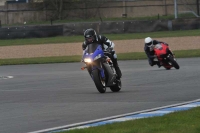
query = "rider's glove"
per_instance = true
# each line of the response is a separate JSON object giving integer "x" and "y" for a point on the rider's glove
{"x": 153, "y": 56}
{"x": 109, "y": 49}
{"x": 166, "y": 44}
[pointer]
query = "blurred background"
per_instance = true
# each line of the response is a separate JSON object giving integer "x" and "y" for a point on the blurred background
{"x": 61, "y": 11}
{"x": 71, "y": 17}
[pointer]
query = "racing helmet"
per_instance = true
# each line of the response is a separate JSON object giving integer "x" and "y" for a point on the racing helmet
{"x": 148, "y": 41}
{"x": 90, "y": 35}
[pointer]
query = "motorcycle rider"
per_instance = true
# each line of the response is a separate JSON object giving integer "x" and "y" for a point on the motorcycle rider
{"x": 149, "y": 50}
{"x": 91, "y": 37}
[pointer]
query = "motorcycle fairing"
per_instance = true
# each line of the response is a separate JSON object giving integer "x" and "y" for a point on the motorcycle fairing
{"x": 100, "y": 69}
{"x": 162, "y": 53}
{"x": 92, "y": 51}
{"x": 160, "y": 49}
{"x": 95, "y": 51}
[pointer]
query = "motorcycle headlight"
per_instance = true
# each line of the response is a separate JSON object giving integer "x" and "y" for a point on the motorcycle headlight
{"x": 88, "y": 60}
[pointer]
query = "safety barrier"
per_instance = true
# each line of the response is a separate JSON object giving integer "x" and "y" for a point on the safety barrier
{"x": 117, "y": 27}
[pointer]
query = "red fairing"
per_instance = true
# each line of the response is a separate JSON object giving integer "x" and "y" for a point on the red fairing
{"x": 160, "y": 49}
{"x": 165, "y": 56}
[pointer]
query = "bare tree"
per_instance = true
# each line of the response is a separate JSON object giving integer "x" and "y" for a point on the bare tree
{"x": 54, "y": 8}
{"x": 92, "y": 8}
{"x": 58, "y": 6}
{"x": 84, "y": 9}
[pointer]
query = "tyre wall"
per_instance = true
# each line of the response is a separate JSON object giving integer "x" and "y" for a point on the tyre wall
{"x": 30, "y": 32}
{"x": 101, "y": 27}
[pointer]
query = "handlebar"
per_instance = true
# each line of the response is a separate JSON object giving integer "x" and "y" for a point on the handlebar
{"x": 106, "y": 52}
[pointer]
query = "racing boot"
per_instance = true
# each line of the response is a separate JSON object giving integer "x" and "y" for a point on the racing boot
{"x": 117, "y": 69}
{"x": 158, "y": 64}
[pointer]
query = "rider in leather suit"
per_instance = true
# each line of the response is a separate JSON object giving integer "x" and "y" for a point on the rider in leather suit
{"x": 91, "y": 37}
{"x": 148, "y": 48}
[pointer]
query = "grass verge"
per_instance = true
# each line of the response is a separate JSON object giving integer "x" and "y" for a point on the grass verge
{"x": 77, "y": 58}
{"x": 177, "y": 122}
{"x": 103, "y": 19}
{"x": 40, "y": 60}
{"x": 71, "y": 39}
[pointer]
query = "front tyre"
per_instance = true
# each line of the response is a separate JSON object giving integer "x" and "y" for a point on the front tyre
{"x": 174, "y": 63}
{"x": 117, "y": 87}
{"x": 99, "y": 82}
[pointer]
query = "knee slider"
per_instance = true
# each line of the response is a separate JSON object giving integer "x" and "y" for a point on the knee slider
{"x": 115, "y": 56}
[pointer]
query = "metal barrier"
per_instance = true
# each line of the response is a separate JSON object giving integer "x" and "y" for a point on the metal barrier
{"x": 30, "y": 32}
{"x": 101, "y": 27}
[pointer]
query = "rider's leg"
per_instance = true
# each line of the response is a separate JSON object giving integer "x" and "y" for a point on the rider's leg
{"x": 152, "y": 62}
{"x": 116, "y": 66}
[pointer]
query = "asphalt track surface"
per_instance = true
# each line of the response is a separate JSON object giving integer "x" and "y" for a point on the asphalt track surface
{"x": 51, "y": 95}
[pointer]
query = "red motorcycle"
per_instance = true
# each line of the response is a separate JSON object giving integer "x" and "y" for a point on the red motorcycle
{"x": 165, "y": 56}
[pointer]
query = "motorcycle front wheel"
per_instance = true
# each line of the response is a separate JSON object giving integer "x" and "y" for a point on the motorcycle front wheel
{"x": 174, "y": 63}
{"x": 99, "y": 82}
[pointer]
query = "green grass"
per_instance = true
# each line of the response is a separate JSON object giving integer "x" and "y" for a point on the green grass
{"x": 143, "y": 18}
{"x": 71, "y": 39}
{"x": 177, "y": 122}
{"x": 32, "y": 41}
{"x": 40, "y": 60}
{"x": 77, "y": 58}
{"x": 142, "y": 55}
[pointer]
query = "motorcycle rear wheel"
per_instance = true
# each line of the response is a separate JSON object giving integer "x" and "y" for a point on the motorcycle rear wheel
{"x": 99, "y": 82}
{"x": 117, "y": 86}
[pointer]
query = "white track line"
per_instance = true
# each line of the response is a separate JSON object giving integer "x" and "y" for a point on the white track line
{"x": 129, "y": 116}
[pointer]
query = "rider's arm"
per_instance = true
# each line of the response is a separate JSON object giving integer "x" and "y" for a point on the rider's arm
{"x": 84, "y": 45}
{"x": 156, "y": 42}
{"x": 106, "y": 41}
{"x": 147, "y": 51}
{"x": 166, "y": 43}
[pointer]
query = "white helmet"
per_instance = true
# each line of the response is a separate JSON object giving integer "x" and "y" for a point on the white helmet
{"x": 148, "y": 41}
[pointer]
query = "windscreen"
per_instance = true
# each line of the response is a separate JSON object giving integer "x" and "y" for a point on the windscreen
{"x": 92, "y": 47}
{"x": 158, "y": 46}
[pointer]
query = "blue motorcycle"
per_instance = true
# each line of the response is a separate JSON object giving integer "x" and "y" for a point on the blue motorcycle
{"x": 100, "y": 68}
